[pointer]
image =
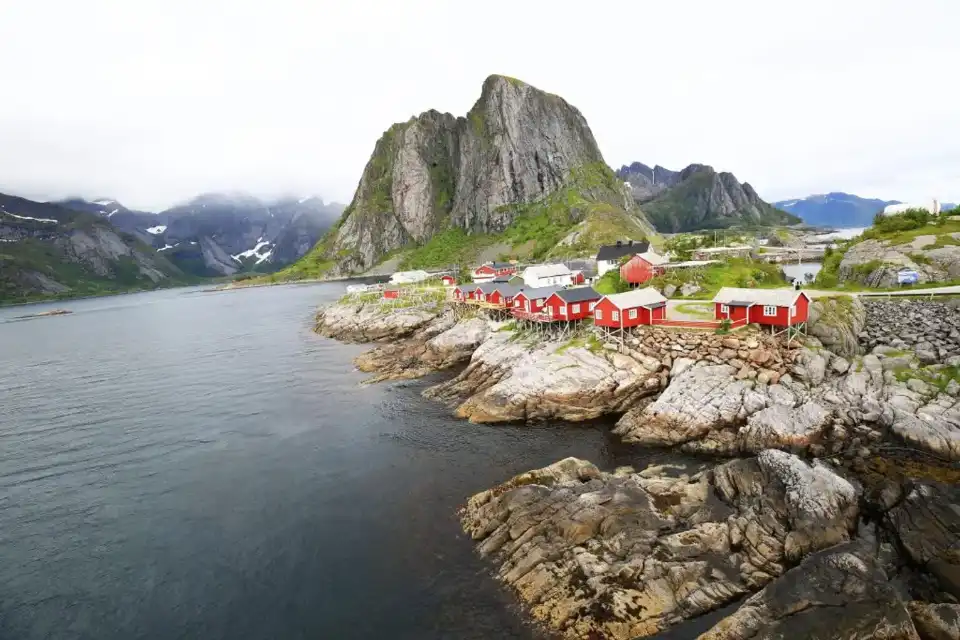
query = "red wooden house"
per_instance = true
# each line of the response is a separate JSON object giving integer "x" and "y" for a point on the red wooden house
{"x": 571, "y": 304}
{"x": 531, "y": 300}
{"x": 773, "y": 307}
{"x": 630, "y": 309}
{"x": 391, "y": 294}
{"x": 489, "y": 271}
{"x": 642, "y": 267}
{"x": 448, "y": 281}
{"x": 501, "y": 294}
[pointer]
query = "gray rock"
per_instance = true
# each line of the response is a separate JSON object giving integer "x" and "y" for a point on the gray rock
{"x": 688, "y": 289}
{"x": 839, "y": 365}
{"x": 680, "y": 365}
{"x": 936, "y": 621}
{"x": 669, "y": 290}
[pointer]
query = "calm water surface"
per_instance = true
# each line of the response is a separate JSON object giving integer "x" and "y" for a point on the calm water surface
{"x": 182, "y": 464}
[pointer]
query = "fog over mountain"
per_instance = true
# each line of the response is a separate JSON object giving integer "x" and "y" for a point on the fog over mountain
{"x": 151, "y": 103}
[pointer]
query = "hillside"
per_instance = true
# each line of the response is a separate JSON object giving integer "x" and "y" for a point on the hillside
{"x": 218, "y": 234}
{"x": 915, "y": 240}
{"x": 521, "y": 173}
{"x": 835, "y": 209}
{"x": 47, "y": 250}
{"x": 699, "y": 198}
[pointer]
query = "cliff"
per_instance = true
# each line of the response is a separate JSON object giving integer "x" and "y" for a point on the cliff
{"x": 699, "y": 198}
{"x": 520, "y": 153}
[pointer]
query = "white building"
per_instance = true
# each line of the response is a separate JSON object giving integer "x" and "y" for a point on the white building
{"x": 931, "y": 206}
{"x": 547, "y": 275}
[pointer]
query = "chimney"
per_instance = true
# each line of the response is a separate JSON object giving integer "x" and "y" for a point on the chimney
{"x": 619, "y": 243}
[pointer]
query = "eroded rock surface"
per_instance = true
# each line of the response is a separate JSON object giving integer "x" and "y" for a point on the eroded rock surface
{"x": 372, "y": 322}
{"x": 630, "y": 554}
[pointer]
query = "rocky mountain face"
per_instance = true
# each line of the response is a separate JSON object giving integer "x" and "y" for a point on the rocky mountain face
{"x": 645, "y": 182}
{"x": 218, "y": 234}
{"x": 47, "y": 249}
{"x": 518, "y": 146}
{"x": 699, "y": 198}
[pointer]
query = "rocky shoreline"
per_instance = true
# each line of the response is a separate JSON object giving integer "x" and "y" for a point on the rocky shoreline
{"x": 835, "y": 515}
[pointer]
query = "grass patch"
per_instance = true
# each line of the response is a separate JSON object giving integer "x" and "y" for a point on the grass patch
{"x": 701, "y": 310}
{"x": 741, "y": 272}
{"x": 939, "y": 378}
{"x": 453, "y": 246}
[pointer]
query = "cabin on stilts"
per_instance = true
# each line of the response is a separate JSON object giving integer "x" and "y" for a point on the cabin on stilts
{"x": 616, "y": 314}
{"x": 783, "y": 310}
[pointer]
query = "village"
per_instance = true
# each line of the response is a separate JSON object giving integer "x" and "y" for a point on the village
{"x": 559, "y": 300}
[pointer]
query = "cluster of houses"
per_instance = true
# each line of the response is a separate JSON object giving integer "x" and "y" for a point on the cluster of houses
{"x": 549, "y": 294}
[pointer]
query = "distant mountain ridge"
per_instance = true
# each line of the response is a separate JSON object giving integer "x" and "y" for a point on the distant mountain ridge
{"x": 698, "y": 197}
{"x": 217, "y": 234}
{"x": 839, "y": 209}
{"x": 47, "y": 249}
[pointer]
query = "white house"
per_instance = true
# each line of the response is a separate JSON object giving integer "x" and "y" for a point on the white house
{"x": 547, "y": 275}
{"x": 409, "y": 277}
{"x": 609, "y": 256}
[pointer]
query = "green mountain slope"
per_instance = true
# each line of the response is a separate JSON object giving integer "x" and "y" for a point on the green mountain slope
{"x": 48, "y": 251}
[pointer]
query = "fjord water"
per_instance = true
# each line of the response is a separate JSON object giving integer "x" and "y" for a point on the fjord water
{"x": 188, "y": 464}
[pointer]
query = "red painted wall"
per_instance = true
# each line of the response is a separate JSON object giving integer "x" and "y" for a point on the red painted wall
{"x": 782, "y": 319}
{"x": 607, "y": 308}
{"x": 535, "y": 305}
{"x": 391, "y": 294}
{"x": 554, "y": 303}
{"x": 660, "y": 313}
{"x": 638, "y": 271}
{"x": 736, "y": 313}
{"x": 448, "y": 280}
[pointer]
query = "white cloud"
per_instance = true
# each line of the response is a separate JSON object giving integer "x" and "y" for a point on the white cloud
{"x": 151, "y": 102}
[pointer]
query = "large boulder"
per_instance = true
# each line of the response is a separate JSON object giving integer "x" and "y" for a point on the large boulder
{"x": 840, "y": 592}
{"x": 372, "y": 322}
{"x": 626, "y": 554}
{"x": 837, "y": 323}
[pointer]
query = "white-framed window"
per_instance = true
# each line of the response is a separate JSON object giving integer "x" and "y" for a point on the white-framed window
{"x": 724, "y": 308}
{"x": 516, "y": 303}
{"x": 575, "y": 309}
{"x": 632, "y": 314}
{"x": 592, "y": 305}
{"x": 599, "y": 314}
{"x": 526, "y": 305}
{"x": 615, "y": 316}
{"x": 769, "y": 310}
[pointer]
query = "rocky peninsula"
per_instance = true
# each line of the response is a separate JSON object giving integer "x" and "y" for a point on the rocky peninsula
{"x": 825, "y": 504}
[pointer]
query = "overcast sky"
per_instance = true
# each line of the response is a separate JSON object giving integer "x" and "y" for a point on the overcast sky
{"x": 152, "y": 102}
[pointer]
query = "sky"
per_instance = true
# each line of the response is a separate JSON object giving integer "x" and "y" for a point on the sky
{"x": 152, "y": 102}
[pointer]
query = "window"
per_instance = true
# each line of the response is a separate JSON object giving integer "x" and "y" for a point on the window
{"x": 516, "y": 303}
{"x": 592, "y": 305}
{"x": 632, "y": 314}
{"x": 615, "y": 316}
{"x": 563, "y": 309}
{"x": 599, "y": 314}
{"x": 575, "y": 309}
{"x": 724, "y": 308}
{"x": 769, "y": 311}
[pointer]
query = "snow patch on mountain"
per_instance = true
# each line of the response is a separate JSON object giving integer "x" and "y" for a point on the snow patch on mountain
{"x": 13, "y": 215}
{"x": 160, "y": 228}
{"x": 261, "y": 243}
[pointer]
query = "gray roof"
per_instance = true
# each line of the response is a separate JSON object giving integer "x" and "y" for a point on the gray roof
{"x": 538, "y": 293}
{"x": 506, "y": 290}
{"x": 578, "y": 294}
{"x": 487, "y": 287}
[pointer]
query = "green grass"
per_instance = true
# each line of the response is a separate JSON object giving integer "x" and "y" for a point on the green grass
{"x": 701, "y": 310}
{"x": 590, "y": 342}
{"x": 740, "y": 272}
{"x": 446, "y": 248}
{"x": 610, "y": 283}
{"x": 938, "y": 379}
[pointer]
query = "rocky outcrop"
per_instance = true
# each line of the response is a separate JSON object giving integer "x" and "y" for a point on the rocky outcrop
{"x": 936, "y": 621}
{"x": 439, "y": 345}
{"x": 509, "y": 379}
{"x": 837, "y": 323}
{"x": 646, "y": 182}
{"x": 840, "y": 592}
{"x": 700, "y": 198}
{"x": 517, "y": 146}
{"x": 372, "y": 322}
{"x": 927, "y": 327}
{"x": 627, "y": 554}
{"x": 875, "y": 263}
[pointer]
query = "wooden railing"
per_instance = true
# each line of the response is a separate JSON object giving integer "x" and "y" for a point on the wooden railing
{"x": 533, "y": 316}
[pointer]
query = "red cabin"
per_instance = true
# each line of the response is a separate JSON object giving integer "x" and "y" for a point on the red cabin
{"x": 500, "y": 293}
{"x": 532, "y": 300}
{"x": 773, "y": 307}
{"x": 489, "y": 271}
{"x": 571, "y": 304}
{"x": 448, "y": 281}
{"x": 459, "y": 294}
{"x": 391, "y": 294}
{"x": 578, "y": 277}
{"x": 642, "y": 267}
{"x": 630, "y": 309}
